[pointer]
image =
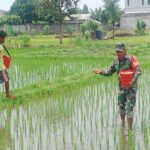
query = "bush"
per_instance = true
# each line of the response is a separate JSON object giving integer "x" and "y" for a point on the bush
{"x": 141, "y": 26}
{"x": 33, "y": 32}
{"x": 92, "y": 26}
{"x": 46, "y": 29}
{"x": 25, "y": 40}
{"x": 83, "y": 28}
{"x": 70, "y": 31}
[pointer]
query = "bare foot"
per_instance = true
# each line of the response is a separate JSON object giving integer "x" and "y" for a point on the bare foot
{"x": 11, "y": 97}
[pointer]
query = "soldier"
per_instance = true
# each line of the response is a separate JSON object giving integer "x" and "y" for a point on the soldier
{"x": 3, "y": 71}
{"x": 128, "y": 66}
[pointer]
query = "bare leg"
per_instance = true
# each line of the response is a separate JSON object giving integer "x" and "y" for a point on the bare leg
{"x": 8, "y": 95}
{"x": 123, "y": 119}
{"x": 130, "y": 122}
{"x": 7, "y": 88}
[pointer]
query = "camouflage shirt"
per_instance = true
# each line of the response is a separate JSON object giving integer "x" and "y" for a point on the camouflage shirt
{"x": 123, "y": 64}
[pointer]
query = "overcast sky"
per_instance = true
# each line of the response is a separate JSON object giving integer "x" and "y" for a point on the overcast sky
{"x": 5, "y": 5}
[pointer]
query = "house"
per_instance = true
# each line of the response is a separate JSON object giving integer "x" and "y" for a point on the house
{"x": 75, "y": 20}
{"x": 135, "y": 10}
{"x": 78, "y": 18}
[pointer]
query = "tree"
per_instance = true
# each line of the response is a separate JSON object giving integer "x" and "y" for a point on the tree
{"x": 112, "y": 11}
{"x": 25, "y": 9}
{"x": 96, "y": 14}
{"x": 57, "y": 10}
{"x": 85, "y": 9}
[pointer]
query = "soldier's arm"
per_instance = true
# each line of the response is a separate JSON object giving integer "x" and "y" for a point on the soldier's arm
{"x": 137, "y": 74}
{"x": 110, "y": 71}
{"x": 135, "y": 65}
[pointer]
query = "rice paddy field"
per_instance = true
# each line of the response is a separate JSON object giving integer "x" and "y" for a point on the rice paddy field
{"x": 61, "y": 105}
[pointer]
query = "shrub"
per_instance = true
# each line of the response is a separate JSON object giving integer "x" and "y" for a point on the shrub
{"x": 25, "y": 40}
{"x": 83, "y": 28}
{"x": 141, "y": 26}
{"x": 46, "y": 29}
{"x": 92, "y": 26}
{"x": 70, "y": 31}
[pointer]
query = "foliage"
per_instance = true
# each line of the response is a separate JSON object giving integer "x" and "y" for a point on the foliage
{"x": 25, "y": 9}
{"x": 141, "y": 26}
{"x": 83, "y": 28}
{"x": 85, "y": 9}
{"x": 57, "y": 10}
{"x": 25, "y": 40}
{"x": 10, "y": 20}
{"x": 70, "y": 31}
{"x": 89, "y": 27}
{"x": 92, "y": 25}
{"x": 112, "y": 13}
{"x": 10, "y": 31}
{"x": 96, "y": 14}
{"x": 46, "y": 29}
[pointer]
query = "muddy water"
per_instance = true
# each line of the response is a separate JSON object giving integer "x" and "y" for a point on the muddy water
{"x": 86, "y": 119}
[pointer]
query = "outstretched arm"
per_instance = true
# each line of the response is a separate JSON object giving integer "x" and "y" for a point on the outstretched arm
{"x": 107, "y": 72}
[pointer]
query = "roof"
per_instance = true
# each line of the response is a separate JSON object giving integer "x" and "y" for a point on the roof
{"x": 82, "y": 17}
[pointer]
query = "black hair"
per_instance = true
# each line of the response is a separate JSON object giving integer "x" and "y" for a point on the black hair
{"x": 3, "y": 33}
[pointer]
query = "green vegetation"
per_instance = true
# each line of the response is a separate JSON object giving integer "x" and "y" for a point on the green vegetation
{"x": 59, "y": 98}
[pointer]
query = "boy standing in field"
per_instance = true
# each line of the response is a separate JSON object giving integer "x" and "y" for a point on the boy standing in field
{"x": 3, "y": 71}
{"x": 127, "y": 67}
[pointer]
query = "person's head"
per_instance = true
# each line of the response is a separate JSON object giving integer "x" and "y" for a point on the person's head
{"x": 120, "y": 50}
{"x": 3, "y": 36}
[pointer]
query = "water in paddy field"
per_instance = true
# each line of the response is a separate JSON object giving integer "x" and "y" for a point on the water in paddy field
{"x": 83, "y": 119}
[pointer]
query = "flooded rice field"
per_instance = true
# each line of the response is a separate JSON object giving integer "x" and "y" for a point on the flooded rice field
{"x": 83, "y": 119}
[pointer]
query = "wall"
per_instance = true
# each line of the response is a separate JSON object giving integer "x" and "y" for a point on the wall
{"x": 133, "y": 12}
{"x": 136, "y": 6}
{"x": 39, "y": 28}
{"x": 128, "y": 21}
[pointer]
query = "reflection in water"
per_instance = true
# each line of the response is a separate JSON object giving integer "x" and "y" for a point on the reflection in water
{"x": 126, "y": 142}
{"x": 86, "y": 119}
{"x": 5, "y": 135}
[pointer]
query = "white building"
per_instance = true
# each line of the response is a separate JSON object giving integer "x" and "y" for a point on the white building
{"x": 134, "y": 10}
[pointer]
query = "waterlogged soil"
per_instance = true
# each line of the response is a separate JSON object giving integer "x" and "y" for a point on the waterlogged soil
{"x": 85, "y": 119}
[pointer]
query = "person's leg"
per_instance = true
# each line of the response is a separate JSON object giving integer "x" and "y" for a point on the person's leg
{"x": 121, "y": 104}
{"x": 131, "y": 100}
{"x": 130, "y": 122}
{"x": 6, "y": 80}
{"x": 123, "y": 119}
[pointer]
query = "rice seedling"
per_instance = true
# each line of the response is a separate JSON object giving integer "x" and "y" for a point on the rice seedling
{"x": 70, "y": 107}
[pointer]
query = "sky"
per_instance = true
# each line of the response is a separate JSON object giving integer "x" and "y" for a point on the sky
{"x": 5, "y": 5}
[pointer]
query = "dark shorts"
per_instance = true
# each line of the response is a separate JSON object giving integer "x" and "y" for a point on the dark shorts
{"x": 126, "y": 101}
{"x": 2, "y": 78}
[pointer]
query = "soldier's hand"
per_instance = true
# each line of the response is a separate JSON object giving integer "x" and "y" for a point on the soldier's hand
{"x": 130, "y": 85}
{"x": 97, "y": 71}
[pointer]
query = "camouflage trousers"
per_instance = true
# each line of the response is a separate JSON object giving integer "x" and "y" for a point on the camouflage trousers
{"x": 126, "y": 101}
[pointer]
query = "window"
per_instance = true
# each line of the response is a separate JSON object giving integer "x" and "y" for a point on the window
{"x": 148, "y": 2}
{"x": 128, "y": 2}
{"x": 142, "y": 2}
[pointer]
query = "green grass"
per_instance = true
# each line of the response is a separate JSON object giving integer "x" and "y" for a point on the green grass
{"x": 46, "y": 59}
{"x": 56, "y": 91}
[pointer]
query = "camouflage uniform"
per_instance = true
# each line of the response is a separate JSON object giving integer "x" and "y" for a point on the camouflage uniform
{"x": 126, "y": 98}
